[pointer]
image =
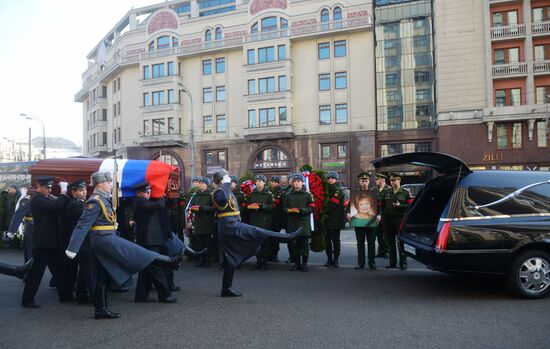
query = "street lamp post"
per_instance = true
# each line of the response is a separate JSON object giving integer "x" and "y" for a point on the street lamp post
{"x": 192, "y": 130}
{"x": 36, "y": 118}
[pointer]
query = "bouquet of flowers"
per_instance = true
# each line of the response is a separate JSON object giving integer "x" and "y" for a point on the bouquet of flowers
{"x": 318, "y": 187}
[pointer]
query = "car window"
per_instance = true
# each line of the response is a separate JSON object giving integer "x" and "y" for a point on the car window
{"x": 531, "y": 201}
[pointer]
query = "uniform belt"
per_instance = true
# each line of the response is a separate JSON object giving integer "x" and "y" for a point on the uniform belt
{"x": 227, "y": 214}
{"x": 28, "y": 219}
{"x": 103, "y": 227}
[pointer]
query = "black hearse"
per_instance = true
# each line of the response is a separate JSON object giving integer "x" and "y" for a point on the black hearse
{"x": 481, "y": 222}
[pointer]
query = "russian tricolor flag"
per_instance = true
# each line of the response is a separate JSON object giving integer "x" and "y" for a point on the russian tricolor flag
{"x": 132, "y": 172}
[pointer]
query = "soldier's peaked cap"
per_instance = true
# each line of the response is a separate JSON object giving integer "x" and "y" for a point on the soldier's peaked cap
{"x": 364, "y": 175}
{"x": 78, "y": 184}
{"x": 381, "y": 175}
{"x": 141, "y": 187}
{"x": 45, "y": 180}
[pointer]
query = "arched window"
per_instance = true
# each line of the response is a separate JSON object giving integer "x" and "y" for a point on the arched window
{"x": 271, "y": 154}
{"x": 208, "y": 35}
{"x": 254, "y": 28}
{"x": 324, "y": 16}
{"x": 174, "y": 42}
{"x": 163, "y": 42}
{"x": 337, "y": 17}
{"x": 218, "y": 33}
{"x": 284, "y": 24}
{"x": 269, "y": 24}
{"x": 152, "y": 46}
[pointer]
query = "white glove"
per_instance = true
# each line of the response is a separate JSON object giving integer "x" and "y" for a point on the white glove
{"x": 70, "y": 254}
{"x": 63, "y": 186}
{"x": 23, "y": 192}
{"x": 10, "y": 236}
{"x": 226, "y": 179}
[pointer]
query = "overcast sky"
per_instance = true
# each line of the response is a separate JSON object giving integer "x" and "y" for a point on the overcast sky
{"x": 43, "y": 56}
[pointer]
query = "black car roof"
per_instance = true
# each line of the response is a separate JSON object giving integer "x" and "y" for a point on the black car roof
{"x": 443, "y": 163}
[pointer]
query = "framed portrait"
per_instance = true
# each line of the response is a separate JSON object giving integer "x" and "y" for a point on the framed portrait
{"x": 363, "y": 208}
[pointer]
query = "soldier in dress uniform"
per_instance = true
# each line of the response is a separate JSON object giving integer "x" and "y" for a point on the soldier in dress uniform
{"x": 152, "y": 232}
{"x": 335, "y": 219}
{"x": 204, "y": 224}
{"x": 298, "y": 206}
{"x": 260, "y": 205}
{"x": 277, "y": 214}
{"x": 77, "y": 270}
{"x": 364, "y": 223}
{"x": 238, "y": 241}
{"x": 47, "y": 245}
{"x": 19, "y": 271}
{"x": 23, "y": 215}
{"x": 116, "y": 257}
{"x": 382, "y": 245}
{"x": 394, "y": 203}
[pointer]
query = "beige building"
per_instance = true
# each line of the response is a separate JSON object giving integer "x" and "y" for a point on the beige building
{"x": 260, "y": 86}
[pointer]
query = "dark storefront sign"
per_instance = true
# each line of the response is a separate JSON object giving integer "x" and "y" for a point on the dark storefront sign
{"x": 270, "y": 164}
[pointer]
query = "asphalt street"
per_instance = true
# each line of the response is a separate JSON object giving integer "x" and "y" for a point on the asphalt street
{"x": 324, "y": 308}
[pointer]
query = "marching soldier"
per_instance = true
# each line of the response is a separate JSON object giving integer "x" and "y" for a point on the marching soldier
{"x": 47, "y": 245}
{"x": 382, "y": 245}
{"x": 238, "y": 241}
{"x": 364, "y": 223}
{"x": 116, "y": 257}
{"x": 23, "y": 215}
{"x": 260, "y": 205}
{"x": 395, "y": 202}
{"x": 335, "y": 219}
{"x": 204, "y": 225}
{"x": 277, "y": 214}
{"x": 299, "y": 205}
{"x": 152, "y": 232}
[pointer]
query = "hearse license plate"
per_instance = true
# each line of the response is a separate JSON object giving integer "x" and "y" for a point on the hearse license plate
{"x": 410, "y": 249}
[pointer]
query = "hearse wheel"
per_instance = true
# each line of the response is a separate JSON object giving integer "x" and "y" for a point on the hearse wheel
{"x": 530, "y": 275}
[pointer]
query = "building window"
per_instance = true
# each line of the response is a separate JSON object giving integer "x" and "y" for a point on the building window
{"x": 340, "y": 48}
{"x": 163, "y": 42}
{"x": 171, "y": 99}
{"x": 171, "y": 126}
{"x": 269, "y": 24}
{"x": 509, "y": 97}
{"x": 324, "y": 16}
{"x": 509, "y": 136}
{"x": 170, "y": 68}
{"x": 220, "y": 93}
{"x": 542, "y": 94}
{"x": 423, "y": 95}
{"x": 251, "y": 57}
{"x": 103, "y": 114}
{"x": 146, "y": 99}
{"x": 341, "y": 80}
{"x": 146, "y": 72}
{"x": 398, "y": 148}
{"x": 543, "y": 136}
{"x": 541, "y": 14}
{"x": 254, "y": 28}
{"x": 325, "y": 151}
{"x": 284, "y": 25}
{"x": 324, "y": 50}
{"x": 500, "y": 98}
{"x": 159, "y": 127}
{"x": 221, "y": 124}
{"x": 252, "y": 87}
{"x": 266, "y": 54}
{"x": 324, "y": 82}
{"x": 266, "y": 85}
{"x": 207, "y": 124}
{"x": 341, "y": 113}
{"x": 220, "y": 65}
{"x": 152, "y": 46}
{"x": 422, "y": 77}
{"x": 207, "y": 95}
{"x": 324, "y": 115}
{"x": 342, "y": 150}
{"x": 252, "y": 118}
{"x": 282, "y": 116}
{"x": 158, "y": 97}
{"x": 207, "y": 67}
{"x": 158, "y": 70}
{"x": 281, "y": 52}
{"x": 218, "y": 35}
{"x": 282, "y": 83}
{"x": 208, "y": 35}
{"x": 337, "y": 17}
{"x": 267, "y": 117}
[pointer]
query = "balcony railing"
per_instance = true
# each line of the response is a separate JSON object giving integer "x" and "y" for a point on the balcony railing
{"x": 541, "y": 67}
{"x": 510, "y": 69}
{"x": 509, "y": 31}
{"x": 540, "y": 27}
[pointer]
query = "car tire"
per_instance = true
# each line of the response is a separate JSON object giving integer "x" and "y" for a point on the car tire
{"x": 530, "y": 275}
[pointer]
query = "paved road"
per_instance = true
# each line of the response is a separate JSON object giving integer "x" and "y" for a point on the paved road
{"x": 325, "y": 308}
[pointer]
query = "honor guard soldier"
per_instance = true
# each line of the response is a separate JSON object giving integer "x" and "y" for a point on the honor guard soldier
{"x": 47, "y": 245}
{"x": 299, "y": 206}
{"x": 395, "y": 202}
{"x": 152, "y": 232}
{"x": 277, "y": 214}
{"x": 77, "y": 270}
{"x": 23, "y": 215}
{"x": 238, "y": 241}
{"x": 364, "y": 222}
{"x": 205, "y": 224}
{"x": 335, "y": 219}
{"x": 382, "y": 244}
{"x": 260, "y": 205}
{"x": 115, "y": 257}
{"x": 17, "y": 271}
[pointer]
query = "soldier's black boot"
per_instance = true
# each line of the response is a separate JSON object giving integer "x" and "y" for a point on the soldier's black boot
{"x": 329, "y": 259}
{"x": 101, "y": 310}
{"x": 167, "y": 262}
{"x": 258, "y": 264}
{"x": 227, "y": 282}
{"x": 18, "y": 272}
{"x": 335, "y": 263}
{"x": 296, "y": 265}
{"x": 304, "y": 264}
{"x": 263, "y": 264}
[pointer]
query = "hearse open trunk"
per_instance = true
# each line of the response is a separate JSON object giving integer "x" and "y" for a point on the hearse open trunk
{"x": 422, "y": 219}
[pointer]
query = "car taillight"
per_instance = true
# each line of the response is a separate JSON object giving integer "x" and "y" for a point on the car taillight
{"x": 443, "y": 237}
